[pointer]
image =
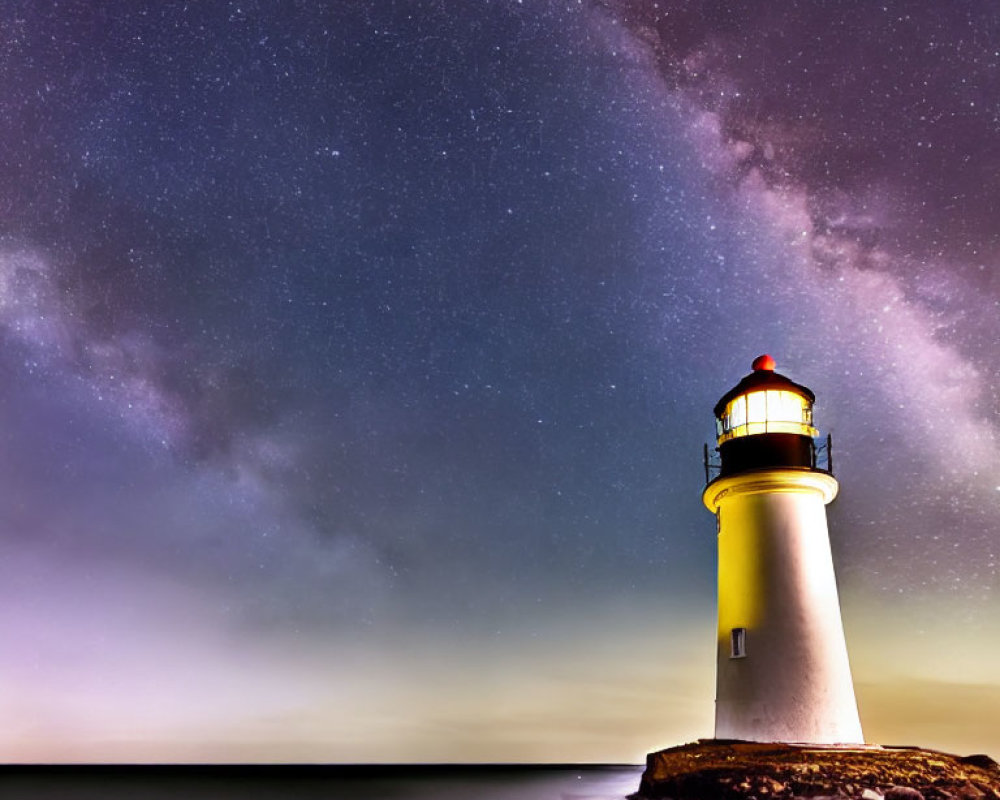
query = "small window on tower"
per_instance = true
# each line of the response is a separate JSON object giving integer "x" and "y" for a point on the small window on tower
{"x": 738, "y": 643}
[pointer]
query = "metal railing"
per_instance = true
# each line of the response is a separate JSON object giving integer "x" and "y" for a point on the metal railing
{"x": 711, "y": 466}
{"x": 823, "y": 451}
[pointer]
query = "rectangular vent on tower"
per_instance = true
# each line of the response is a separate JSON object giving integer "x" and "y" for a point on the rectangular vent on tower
{"x": 738, "y": 643}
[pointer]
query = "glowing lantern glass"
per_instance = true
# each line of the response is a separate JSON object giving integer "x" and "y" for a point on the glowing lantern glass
{"x": 765, "y": 411}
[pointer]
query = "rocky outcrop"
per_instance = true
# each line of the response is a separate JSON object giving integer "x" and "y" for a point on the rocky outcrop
{"x": 713, "y": 769}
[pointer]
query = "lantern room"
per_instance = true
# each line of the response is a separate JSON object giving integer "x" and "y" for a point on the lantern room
{"x": 765, "y": 421}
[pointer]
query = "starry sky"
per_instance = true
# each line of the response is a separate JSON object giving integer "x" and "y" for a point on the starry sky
{"x": 356, "y": 361}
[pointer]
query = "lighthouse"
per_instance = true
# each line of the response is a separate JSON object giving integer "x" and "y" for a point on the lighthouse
{"x": 783, "y": 673}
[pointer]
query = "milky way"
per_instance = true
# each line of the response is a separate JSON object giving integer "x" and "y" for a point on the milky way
{"x": 358, "y": 361}
{"x": 876, "y": 175}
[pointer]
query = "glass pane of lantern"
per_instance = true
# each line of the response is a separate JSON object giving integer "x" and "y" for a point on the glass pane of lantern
{"x": 775, "y": 405}
{"x": 756, "y": 413}
{"x": 738, "y": 412}
{"x": 798, "y": 405}
{"x": 784, "y": 406}
{"x": 792, "y": 407}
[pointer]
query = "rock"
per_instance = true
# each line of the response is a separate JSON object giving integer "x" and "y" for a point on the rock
{"x": 981, "y": 760}
{"x": 820, "y": 797}
{"x": 715, "y": 770}
{"x": 969, "y": 791}
{"x": 902, "y": 793}
{"x": 767, "y": 786}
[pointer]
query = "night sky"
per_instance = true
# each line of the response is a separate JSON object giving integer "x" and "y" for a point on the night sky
{"x": 356, "y": 361}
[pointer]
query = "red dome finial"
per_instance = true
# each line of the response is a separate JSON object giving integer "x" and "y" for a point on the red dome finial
{"x": 764, "y": 362}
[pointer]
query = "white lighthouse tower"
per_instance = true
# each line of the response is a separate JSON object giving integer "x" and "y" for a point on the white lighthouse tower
{"x": 783, "y": 673}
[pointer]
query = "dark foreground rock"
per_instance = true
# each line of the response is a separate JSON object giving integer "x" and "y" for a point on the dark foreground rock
{"x": 713, "y": 769}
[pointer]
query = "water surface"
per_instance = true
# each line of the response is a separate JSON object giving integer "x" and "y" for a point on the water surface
{"x": 259, "y": 782}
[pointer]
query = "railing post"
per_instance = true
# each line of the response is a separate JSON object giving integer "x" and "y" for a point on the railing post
{"x": 706, "y": 463}
{"x": 829, "y": 453}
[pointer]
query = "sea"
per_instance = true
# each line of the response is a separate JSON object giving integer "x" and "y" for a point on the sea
{"x": 319, "y": 782}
